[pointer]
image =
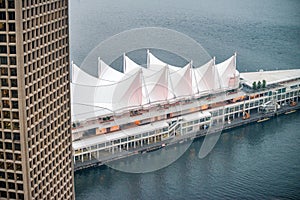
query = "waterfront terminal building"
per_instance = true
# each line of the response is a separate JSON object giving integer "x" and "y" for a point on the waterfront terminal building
{"x": 118, "y": 114}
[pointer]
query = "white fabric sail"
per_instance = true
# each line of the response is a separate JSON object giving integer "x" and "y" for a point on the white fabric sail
{"x": 129, "y": 65}
{"x": 107, "y": 74}
{"x": 156, "y": 64}
{"x": 156, "y": 86}
{"x": 81, "y": 77}
{"x": 229, "y": 76}
{"x": 182, "y": 81}
{"x": 128, "y": 92}
{"x": 205, "y": 78}
{"x": 114, "y": 91}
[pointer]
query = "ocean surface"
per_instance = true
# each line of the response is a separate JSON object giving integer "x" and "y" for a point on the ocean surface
{"x": 259, "y": 161}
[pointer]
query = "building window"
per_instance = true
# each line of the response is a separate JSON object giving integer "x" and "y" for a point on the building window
{"x": 21, "y": 196}
{"x": 2, "y": 4}
{"x": 19, "y": 167}
{"x": 4, "y": 82}
{"x": 13, "y": 82}
{"x": 7, "y": 135}
{"x": 12, "y": 49}
{"x": 17, "y": 136}
{"x": 12, "y": 61}
{"x": 2, "y": 26}
{"x": 11, "y": 27}
{"x": 11, "y": 15}
{"x": 8, "y": 145}
{"x": 15, "y": 104}
{"x": 18, "y": 156}
{"x": 9, "y": 165}
{"x": 16, "y": 126}
{"x": 13, "y": 72}
{"x": 3, "y": 49}
{"x": 3, "y": 193}
{"x": 11, "y": 4}
{"x": 5, "y": 104}
{"x": 14, "y": 93}
{"x": 2, "y": 175}
{"x": 3, "y": 60}
{"x": 12, "y": 38}
{"x": 4, "y": 71}
{"x": 10, "y": 176}
{"x": 19, "y": 177}
{"x": 2, "y": 16}
{"x": 7, "y": 125}
{"x": 2, "y": 38}
{"x": 12, "y": 195}
{"x": 5, "y": 93}
{"x": 6, "y": 114}
{"x": 17, "y": 147}
{"x": 9, "y": 156}
{"x": 20, "y": 187}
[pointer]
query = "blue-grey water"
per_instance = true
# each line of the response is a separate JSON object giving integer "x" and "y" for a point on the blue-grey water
{"x": 259, "y": 161}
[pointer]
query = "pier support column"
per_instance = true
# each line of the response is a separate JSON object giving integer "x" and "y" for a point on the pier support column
{"x": 98, "y": 153}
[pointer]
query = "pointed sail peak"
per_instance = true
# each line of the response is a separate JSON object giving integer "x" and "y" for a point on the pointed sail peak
{"x": 205, "y": 77}
{"x": 210, "y": 63}
{"x": 154, "y": 63}
{"x": 81, "y": 77}
{"x": 229, "y": 76}
{"x": 229, "y": 65}
{"x": 108, "y": 73}
{"x": 130, "y": 65}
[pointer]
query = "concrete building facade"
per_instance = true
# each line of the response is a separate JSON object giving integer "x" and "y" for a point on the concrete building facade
{"x": 35, "y": 127}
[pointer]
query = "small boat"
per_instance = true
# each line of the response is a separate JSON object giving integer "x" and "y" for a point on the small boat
{"x": 289, "y": 112}
{"x": 264, "y": 119}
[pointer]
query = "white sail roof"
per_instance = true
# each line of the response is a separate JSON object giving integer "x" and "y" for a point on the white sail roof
{"x": 114, "y": 91}
{"x": 155, "y": 82}
{"x": 129, "y": 65}
{"x": 81, "y": 77}
{"x": 229, "y": 76}
{"x": 156, "y": 86}
{"x": 181, "y": 81}
{"x": 128, "y": 92}
{"x": 154, "y": 63}
{"x": 206, "y": 78}
{"x": 107, "y": 74}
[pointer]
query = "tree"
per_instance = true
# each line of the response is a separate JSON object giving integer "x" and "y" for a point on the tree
{"x": 258, "y": 85}
{"x": 264, "y": 83}
{"x": 254, "y": 87}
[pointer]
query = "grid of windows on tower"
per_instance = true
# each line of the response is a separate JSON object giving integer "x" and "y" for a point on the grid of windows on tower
{"x": 35, "y": 130}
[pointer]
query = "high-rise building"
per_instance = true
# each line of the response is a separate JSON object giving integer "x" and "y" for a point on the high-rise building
{"x": 35, "y": 126}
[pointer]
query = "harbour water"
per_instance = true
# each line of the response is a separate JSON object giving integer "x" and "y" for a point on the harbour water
{"x": 259, "y": 161}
